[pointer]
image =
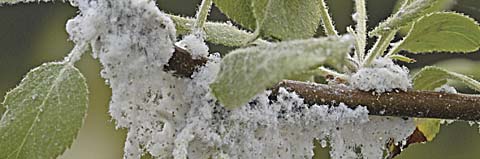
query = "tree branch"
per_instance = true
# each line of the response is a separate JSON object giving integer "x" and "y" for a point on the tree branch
{"x": 182, "y": 64}
{"x": 420, "y": 104}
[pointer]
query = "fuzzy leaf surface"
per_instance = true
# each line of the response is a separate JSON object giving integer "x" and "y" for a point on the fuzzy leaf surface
{"x": 287, "y": 19}
{"x": 240, "y": 11}
{"x": 297, "y": 18}
{"x": 403, "y": 58}
{"x": 215, "y": 32}
{"x": 441, "y": 5}
{"x": 404, "y": 17}
{"x": 443, "y": 31}
{"x": 44, "y": 112}
{"x": 248, "y": 71}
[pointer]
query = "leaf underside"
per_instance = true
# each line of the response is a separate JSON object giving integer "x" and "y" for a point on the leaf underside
{"x": 44, "y": 113}
{"x": 291, "y": 19}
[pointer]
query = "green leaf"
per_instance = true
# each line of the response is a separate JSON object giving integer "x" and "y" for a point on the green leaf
{"x": 44, "y": 113}
{"x": 428, "y": 79}
{"x": 403, "y": 58}
{"x": 248, "y": 71}
{"x": 451, "y": 32}
{"x": 298, "y": 18}
{"x": 438, "y": 6}
{"x": 441, "y": 5}
{"x": 404, "y": 17}
{"x": 2, "y": 109}
{"x": 217, "y": 33}
{"x": 432, "y": 77}
{"x": 399, "y": 5}
{"x": 428, "y": 127}
{"x": 287, "y": 19}
{"x": 240, "y": 11}
{"x": 463, "y": 66}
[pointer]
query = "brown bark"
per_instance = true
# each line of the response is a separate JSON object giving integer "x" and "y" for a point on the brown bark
{"x": 182, "y": 64}
{"x": 420, "y": 104}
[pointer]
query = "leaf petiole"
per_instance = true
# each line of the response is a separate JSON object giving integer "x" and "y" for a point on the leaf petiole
{"x": 379, "y": 48}
{"x": 202, "y": 15}
{"x": 328, "y": 26}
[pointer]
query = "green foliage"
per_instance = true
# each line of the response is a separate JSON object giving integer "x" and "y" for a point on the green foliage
{"x": 402, "y": 58}
{"x": 399, "y": 4}
{"x": 428, "y": 127}
{"x": 292, "y": 19}
{"x": 360, "y": 33}
{"x": 44, "y": 113}
{"x": 327, "y": 23}
{"x": 432, "y": 77}
{"x": 463, "y": 66}
{"x": 240, "y": 11}
{"x": 439, "y": 6}
{"x": 443, "y": 31}
{"x": 298, "y": 18}
{"x": 409, "y": 13}
{"x": 248, "y": 71}
{"x": 217, "y": 33}
{"x": 428, "y": 79}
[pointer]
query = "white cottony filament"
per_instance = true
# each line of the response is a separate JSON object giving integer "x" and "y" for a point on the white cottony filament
{"x": 382, "y": 76}
{"x": 170, "y": 117}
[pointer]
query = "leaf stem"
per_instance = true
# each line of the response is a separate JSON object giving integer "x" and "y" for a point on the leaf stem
{"x": 217, "y": 32}
{"x": 352, "y": 64}
{"x": 258, "y": 23}
{"x": 328, "y": 26}
{"x": 395, "y": 49}
{"x": 361, "y": 29}
{"x": 76, "y": 53}
{"x": 322, "y": 71}
{"x": 401, "y": 58}
{"x": 202, "y": 15}
{"x": 379, "y": 48}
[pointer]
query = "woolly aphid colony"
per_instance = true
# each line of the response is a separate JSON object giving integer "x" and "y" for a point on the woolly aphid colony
{"x": 175, "y": 117}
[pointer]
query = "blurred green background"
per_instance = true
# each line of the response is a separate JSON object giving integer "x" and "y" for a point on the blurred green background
{"x": 31, "y": 34}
